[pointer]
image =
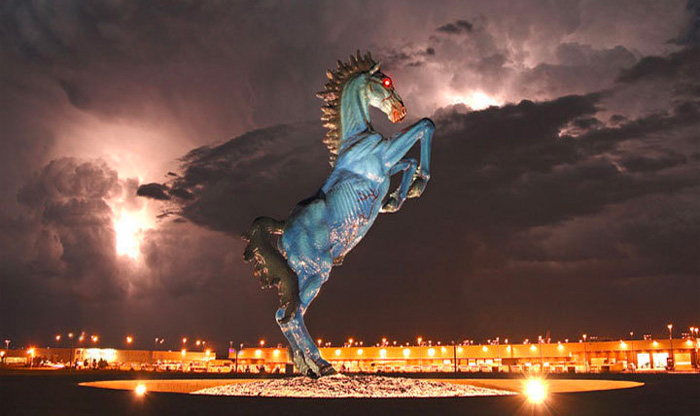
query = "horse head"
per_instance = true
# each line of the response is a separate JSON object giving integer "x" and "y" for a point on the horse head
{"x": 350, "y": 90}
{"x": 382, "y": 95}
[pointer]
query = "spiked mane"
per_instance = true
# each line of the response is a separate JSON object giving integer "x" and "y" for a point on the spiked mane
{"x": 331, "y": 95}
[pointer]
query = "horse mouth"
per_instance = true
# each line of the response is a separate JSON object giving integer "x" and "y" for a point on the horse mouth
{"x": 398, "y": 113}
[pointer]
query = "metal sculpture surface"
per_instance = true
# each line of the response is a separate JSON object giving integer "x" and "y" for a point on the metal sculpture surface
{"x": 296, "y": 255}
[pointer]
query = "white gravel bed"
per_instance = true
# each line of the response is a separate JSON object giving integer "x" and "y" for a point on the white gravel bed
{"x": 342, "y": 386}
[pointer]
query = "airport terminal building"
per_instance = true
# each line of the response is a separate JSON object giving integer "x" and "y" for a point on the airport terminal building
{"x": 607, "y": 356}
{"x": 592, "y": 356}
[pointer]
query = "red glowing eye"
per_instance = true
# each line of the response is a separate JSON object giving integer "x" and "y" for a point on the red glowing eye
{"x": 387, "y": 82}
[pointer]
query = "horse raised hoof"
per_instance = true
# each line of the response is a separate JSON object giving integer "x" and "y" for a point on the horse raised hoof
{"x": 417, "y": 187}
{"x": 391, "y": 205}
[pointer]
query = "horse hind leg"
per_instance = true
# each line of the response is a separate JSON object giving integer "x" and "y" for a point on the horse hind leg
{"x": 269, "y": 264}
{"x": 305, "y": 354}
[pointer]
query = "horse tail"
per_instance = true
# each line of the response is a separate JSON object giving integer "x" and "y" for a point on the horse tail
{"x": 270, "y": 266}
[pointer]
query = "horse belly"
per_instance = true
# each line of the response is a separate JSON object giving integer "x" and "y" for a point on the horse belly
{"x": 352, "y": 205}
{"x": 304, "y": 242}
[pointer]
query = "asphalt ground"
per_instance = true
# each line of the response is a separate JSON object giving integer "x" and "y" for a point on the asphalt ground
{"x": 57, "y": 393}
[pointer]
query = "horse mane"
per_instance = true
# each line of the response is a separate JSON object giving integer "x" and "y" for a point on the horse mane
{"x": 331, "y": 95}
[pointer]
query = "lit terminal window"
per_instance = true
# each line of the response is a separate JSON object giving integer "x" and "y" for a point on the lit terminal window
{"x": 382, "y": 353}
{"x": 406, "y": 352}
{"x": 431, "y": 352}
{"x": 337, "y": 352}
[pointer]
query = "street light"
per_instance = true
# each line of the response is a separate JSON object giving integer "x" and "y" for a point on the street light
{"x": 673, "y": 355}
{"x": 156, "y": 341}
{"x": 31, "y": 356}
{"x": 70, "y": 335}
{"x": 420, "y": 353}
{"x": 585, "y": 361}
{"x": 240, "y": 347}
{"x": 694, "y": 334}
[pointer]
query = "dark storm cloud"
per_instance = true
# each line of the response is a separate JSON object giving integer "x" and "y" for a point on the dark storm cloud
{"x": 531, "y": 193}
{"x": 154, "y": 190}
{"x": 460, "y": 26}
{"x": 68, "y": 199}
{"x": 690, "y": 32}
{"x": 682, "y": 64}
{"x": 543, "y": 192}
{"x": 225, "y": 187}
{"x": 578, "y": 68}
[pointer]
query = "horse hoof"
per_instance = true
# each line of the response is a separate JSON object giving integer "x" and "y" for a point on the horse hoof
{"x": 328, "y": 371}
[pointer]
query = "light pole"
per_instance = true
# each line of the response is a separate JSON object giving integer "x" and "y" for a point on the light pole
{"x": 634, "y": 355}
{"x": 72, "y": 346}
{"x": 240, "y": 347}
{"x": 155, "y": 345}
{"x": 694, "y": 334}
{"x": 420, "y": 353}
{"x": 585, "y": 361}
{"x": 673, "y": 355}
{"x": 454, "y": 355}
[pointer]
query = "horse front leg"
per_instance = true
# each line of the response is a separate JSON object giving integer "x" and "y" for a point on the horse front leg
{"x": 400, "y": 144}
{"x": 398, "y": 197}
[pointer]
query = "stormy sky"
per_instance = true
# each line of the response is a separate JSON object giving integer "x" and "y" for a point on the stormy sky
{"x": 139, "y": 139}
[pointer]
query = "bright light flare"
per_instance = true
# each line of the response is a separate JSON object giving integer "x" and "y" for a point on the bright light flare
{"x": 476, "y": 100}
{"x": 535, "y": 390}
{"x": 140, "y": 389}
{"x": 129, "y": 227}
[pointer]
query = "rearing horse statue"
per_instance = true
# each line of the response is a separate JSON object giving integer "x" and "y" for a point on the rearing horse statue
{"x": 297, "y": 255}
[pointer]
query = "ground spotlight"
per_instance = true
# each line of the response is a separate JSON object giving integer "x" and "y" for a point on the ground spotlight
{"x": 140, "y": 389}
{"x": 535, "y": 390}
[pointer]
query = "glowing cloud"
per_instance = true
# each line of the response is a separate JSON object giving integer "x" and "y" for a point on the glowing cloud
{"x": 476, "y": 100}
{"x": 129, "y": 227}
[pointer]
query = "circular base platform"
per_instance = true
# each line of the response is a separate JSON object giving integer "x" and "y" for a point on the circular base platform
{"x": 358, "y": 387}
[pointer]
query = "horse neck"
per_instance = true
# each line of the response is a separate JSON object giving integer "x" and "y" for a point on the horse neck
{"x": 354, "y": 109}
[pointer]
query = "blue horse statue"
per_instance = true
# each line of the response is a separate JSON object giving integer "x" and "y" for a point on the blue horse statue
{"x": 297, "y": 255}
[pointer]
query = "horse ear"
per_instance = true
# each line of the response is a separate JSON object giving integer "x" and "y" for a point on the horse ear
{"x": 374, "y": 69}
